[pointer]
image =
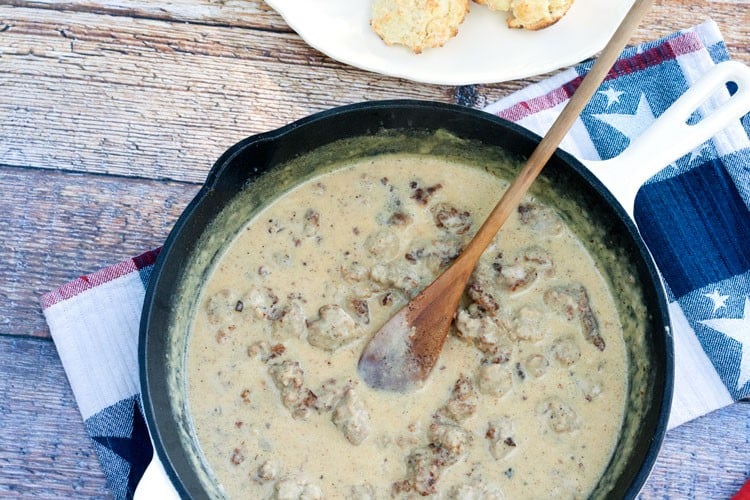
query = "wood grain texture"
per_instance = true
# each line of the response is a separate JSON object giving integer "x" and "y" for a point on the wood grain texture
{"x": 65, "y": 224}
{"x": 706, "y": 458}
{"x": 152, "y": 99}
{"x": 241, "y": 13}
{"x": 45, "y": 451}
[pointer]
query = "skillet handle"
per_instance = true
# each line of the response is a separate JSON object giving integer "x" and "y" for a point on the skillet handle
{"x": 670, "y": 136}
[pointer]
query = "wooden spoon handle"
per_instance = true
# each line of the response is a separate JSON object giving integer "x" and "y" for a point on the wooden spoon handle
{"x": 546, "y": 148}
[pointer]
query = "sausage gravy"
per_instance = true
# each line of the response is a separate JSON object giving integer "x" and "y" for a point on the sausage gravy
{"x": 526, "y": 401}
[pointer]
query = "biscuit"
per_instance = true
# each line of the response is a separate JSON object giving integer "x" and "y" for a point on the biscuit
{"x": 530, "y": 14}
{"x": 417, "y": 24}
{"x": 537, "y": 14}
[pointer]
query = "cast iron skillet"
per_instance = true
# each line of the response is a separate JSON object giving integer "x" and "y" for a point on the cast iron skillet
{"x": 161, "y": 356}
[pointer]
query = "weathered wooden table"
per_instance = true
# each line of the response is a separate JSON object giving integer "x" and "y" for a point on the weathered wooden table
{"x": 111, "y": 113}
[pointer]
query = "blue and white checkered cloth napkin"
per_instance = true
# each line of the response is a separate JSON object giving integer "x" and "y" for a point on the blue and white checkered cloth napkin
{"x": 694, "y": 216}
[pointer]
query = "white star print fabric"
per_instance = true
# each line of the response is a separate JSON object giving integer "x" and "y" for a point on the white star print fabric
{"x": 737, "y": 329}
{"x": 693, "y": 215}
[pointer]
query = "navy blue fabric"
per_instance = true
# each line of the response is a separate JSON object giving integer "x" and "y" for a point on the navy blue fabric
{"x": 696, "y": 226}
{"x": 122, "y": 444}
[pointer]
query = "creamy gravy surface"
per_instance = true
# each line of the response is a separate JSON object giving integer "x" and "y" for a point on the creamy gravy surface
{"x": 526, "y": 401}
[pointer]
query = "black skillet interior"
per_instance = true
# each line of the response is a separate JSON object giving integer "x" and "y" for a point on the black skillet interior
{"x": 650, "y": 351}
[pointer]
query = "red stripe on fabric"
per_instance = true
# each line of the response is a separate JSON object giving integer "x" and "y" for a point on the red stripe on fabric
{"x": 535, "y": 105}
{"x": 667, "y": 51}
{"x": 686, "y": 44}
{"x": 572, "y": 86}
{"x": 89, "y": 281}
{"x": 639, "y": 62}
{"x": 146, "y": 258}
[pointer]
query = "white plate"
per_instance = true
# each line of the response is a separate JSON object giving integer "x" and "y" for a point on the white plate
{"x": 484, "y": 51}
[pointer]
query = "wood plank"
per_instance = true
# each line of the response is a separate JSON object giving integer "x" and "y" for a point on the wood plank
{"x": 733, "y": 19}
{"x": 181, "y": 94}
{"x": 43, "y": 438}
{"x": 66, "y": 224}
{"x": 706, "y": 458}
{"x": 160, "y": 100}
{"x": 241, "y": 13}
{"x": 44, "y": 449}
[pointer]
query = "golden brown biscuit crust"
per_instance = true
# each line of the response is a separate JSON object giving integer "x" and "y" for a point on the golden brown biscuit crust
{"x": 537, "y": 14}
{"x": 530, "y": 14}
{"x": 418, "y": 24}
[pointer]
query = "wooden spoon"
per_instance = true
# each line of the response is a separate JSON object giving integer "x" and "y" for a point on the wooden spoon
{"x": 401, "y": 355}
